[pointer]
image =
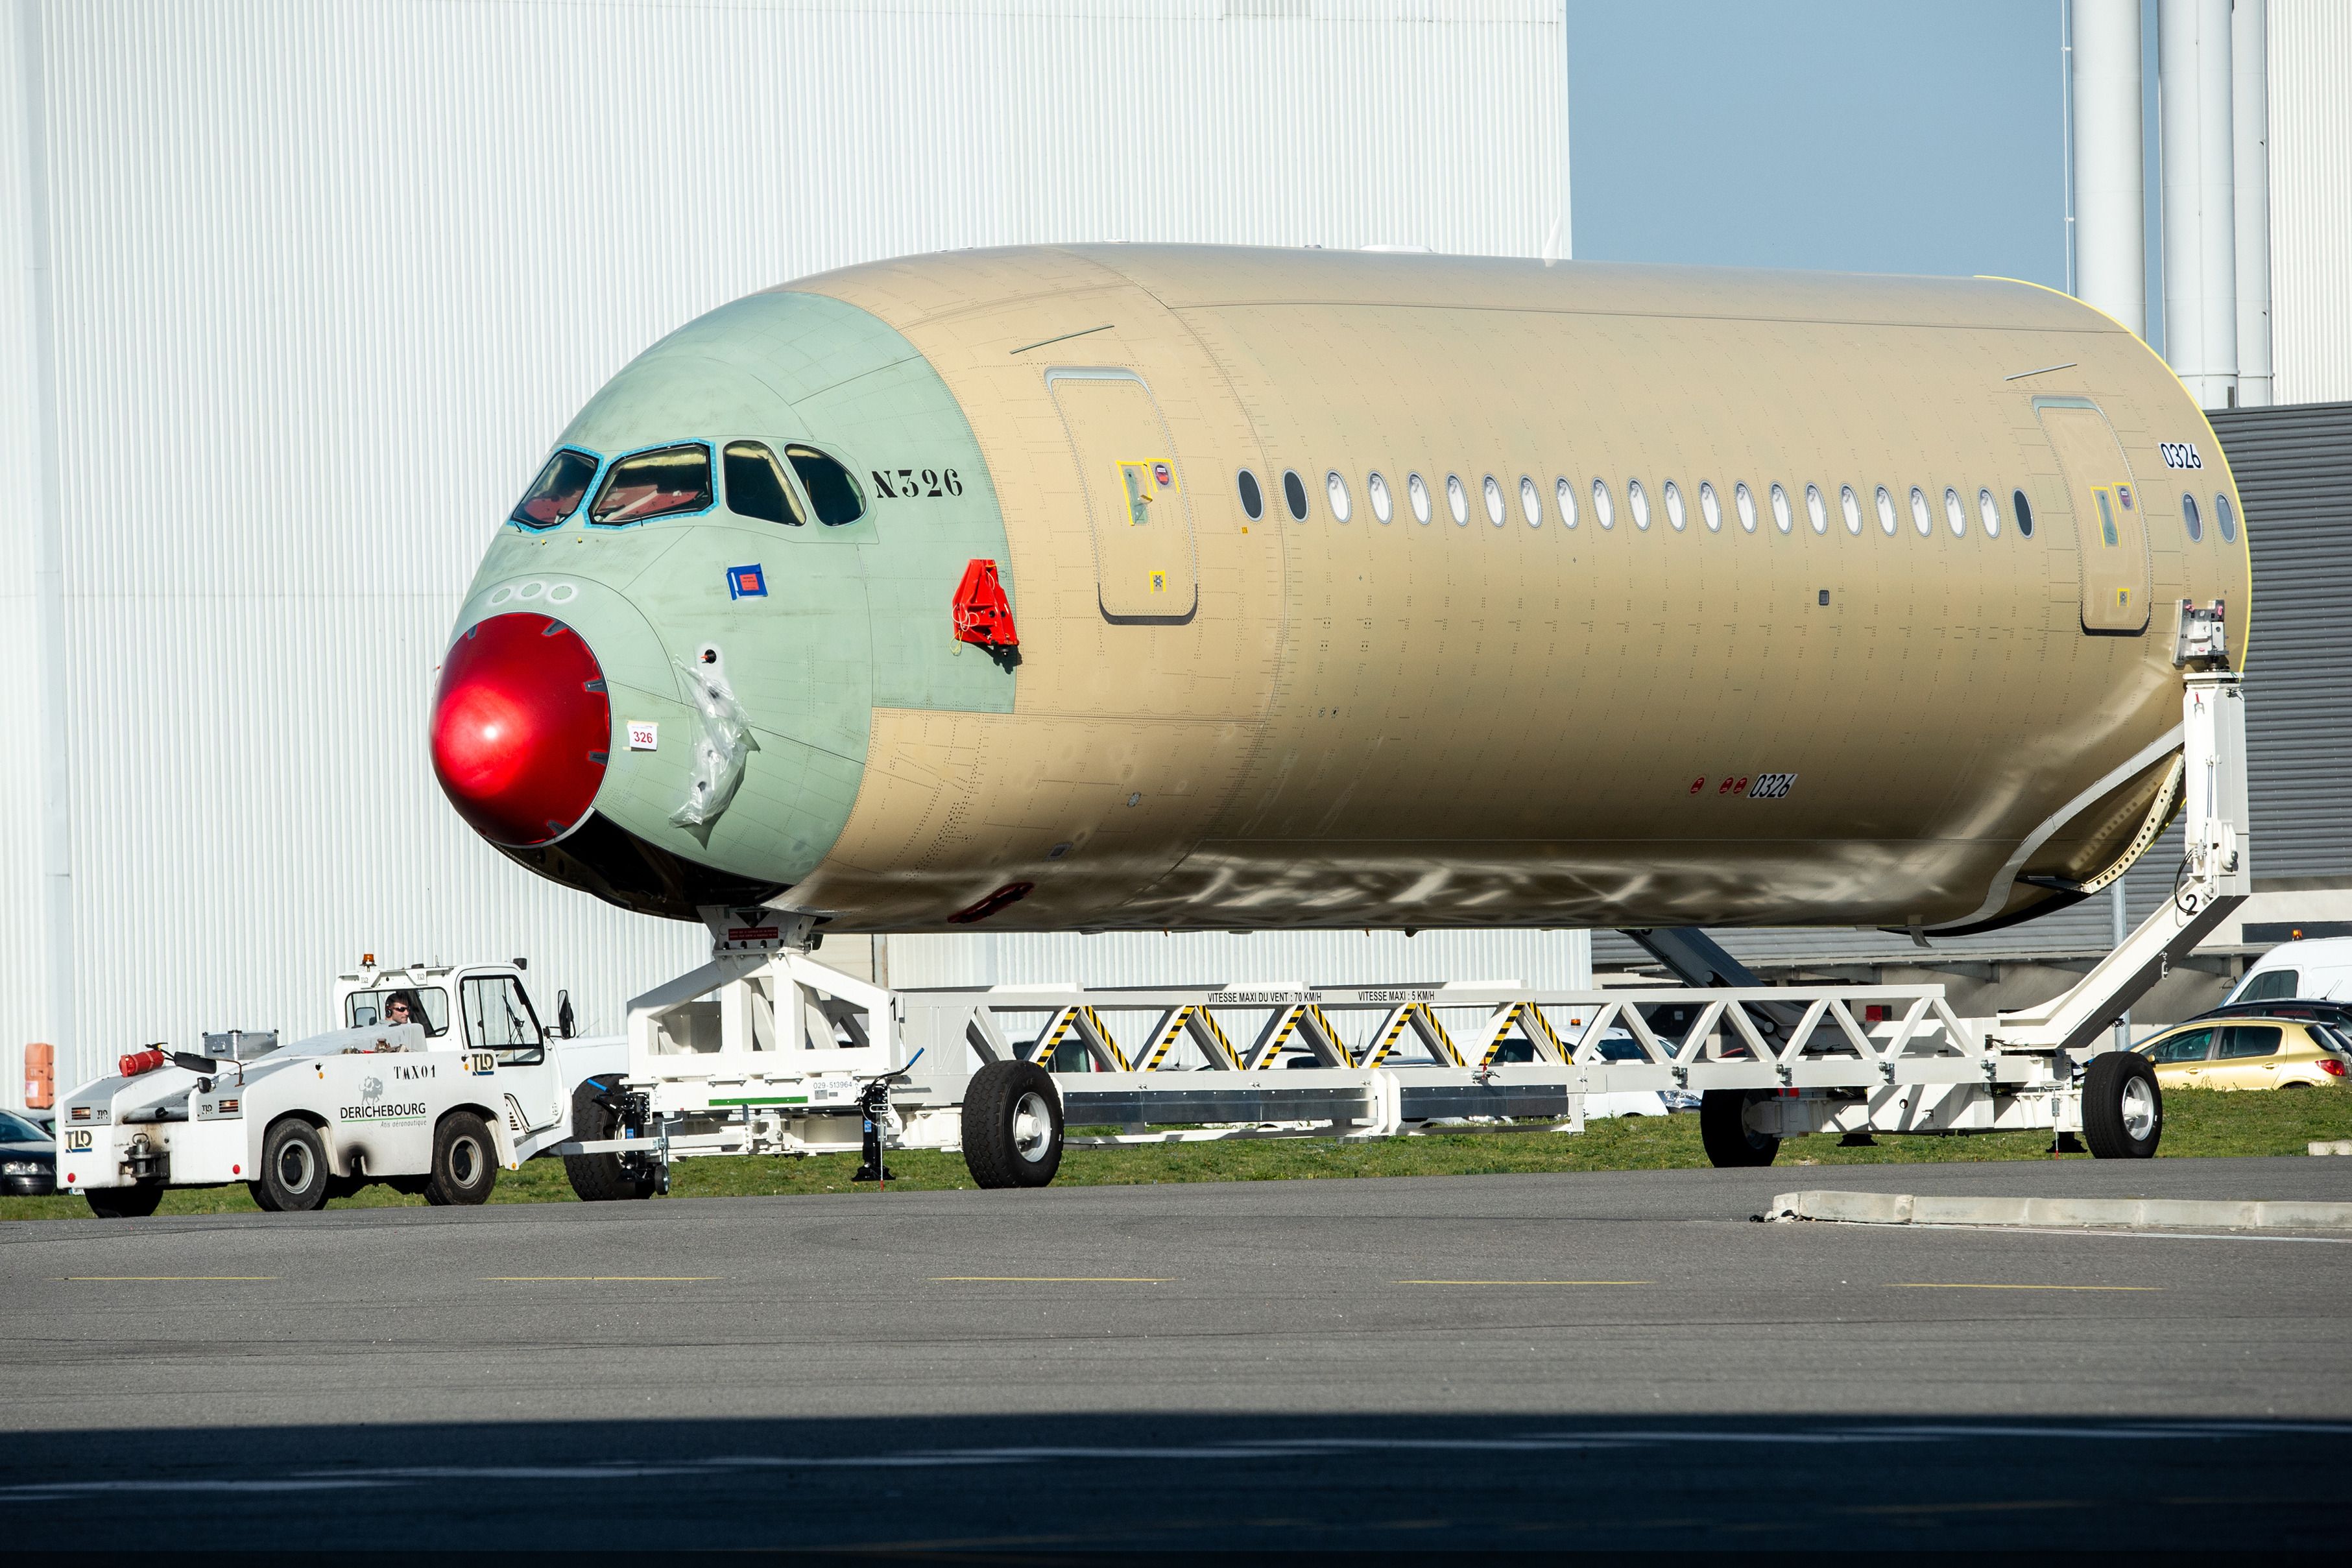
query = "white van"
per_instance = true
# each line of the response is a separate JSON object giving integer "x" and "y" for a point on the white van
{"x": 2316, "y": 970}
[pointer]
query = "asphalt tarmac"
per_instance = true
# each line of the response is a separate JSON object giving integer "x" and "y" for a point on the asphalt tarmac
{"x": 1599, "y": 1361}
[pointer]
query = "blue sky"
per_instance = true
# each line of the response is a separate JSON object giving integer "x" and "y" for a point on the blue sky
{"x": 1856, "y": 135}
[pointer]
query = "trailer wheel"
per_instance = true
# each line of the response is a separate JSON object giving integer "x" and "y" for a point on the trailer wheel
{"x": 124, "y": 1202}
{"x": 1012, "y": 1126}
{"x": 293, "y": 1178}
{"x": 2123, "y": 1109}
{"x": 1723, "y": 1128}
{"x": 464, "y": 1161}
{"x": 603, "y": 1178}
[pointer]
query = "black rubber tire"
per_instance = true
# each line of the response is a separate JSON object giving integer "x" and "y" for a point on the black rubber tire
{"x": 464, "y": 1161}
{"x": 1723, "y": 1129}
{"x": 603, "y": 1178}
{"x": 2118, "y": 1088}
{"x": 123, "y": 1202}
{"x": 294, "y": 1177}
{"x": 1003, "y": 1099}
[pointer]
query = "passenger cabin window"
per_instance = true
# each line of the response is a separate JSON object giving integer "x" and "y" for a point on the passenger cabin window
{"x": 1494, "y": 493}
{"x": 1710, "y": 506}
{"x": 830, "y": 488}
{"x": 1743, "y": 501}
{"x": 1956, "y": 517}
{"x": 1565, "y": 493}
{"x": 555, "y": 493}
{"x": 1383, "y": 504}
{"x": 498, "y": 1018}
{"x": 2248, "y": 1039}
{"x": 1530, "y": 502}
{"x": 1781, "y": 509}
{"x": 1851, "y": 504}
{"x": 1335, "y": 488}
{"x": 1637, "y": 501}
{"x": 2227, "y": 517}
{"x": 1605, "y": 510}
{"x": 2189, "y": 519}
{"x": 1989, "y": 510}
{"x": 657, "y": 484}
{"x": 1674, "y": 499}
{"x": 2192, "y": 1046}
{"x": 1885, "y": 512}
{"x": 755, "y": 485}
{"x": 1294, "y": 495}
{"x": 427, "y": 1005}
{"x": 1817, "y": 511}
{"x": 1919, "y": 512}
{"x": 2024, "y": 514}
{"x": 1457, "y": 500}
{"x": 1253, "y": 498}
{"x": 1416, "y": 489}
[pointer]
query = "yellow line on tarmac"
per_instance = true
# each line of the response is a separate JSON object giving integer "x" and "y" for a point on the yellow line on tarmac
{"x": 1931, "y": 1285}
{"x": 599, "y": 1279}
{"x": 1042, "y": 1279}
{"x": 155, "y": 1279}
{"x": 1526, "y": 1281}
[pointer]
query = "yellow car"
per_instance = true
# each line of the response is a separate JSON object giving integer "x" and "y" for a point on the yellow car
{"x": 2249, "y": 1053}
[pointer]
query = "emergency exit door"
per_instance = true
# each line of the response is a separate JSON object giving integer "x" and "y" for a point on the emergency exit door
{"x": 2109, "y": 515}
{"x": 1139, "y": 514}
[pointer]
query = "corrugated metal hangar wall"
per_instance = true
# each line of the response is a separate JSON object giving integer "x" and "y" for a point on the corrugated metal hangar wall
{"x": 2310, "y": 60}
{"x": 298, "y": 295}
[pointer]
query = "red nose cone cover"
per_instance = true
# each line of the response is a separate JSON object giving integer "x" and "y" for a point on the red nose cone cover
{"x": 520, "y": 726}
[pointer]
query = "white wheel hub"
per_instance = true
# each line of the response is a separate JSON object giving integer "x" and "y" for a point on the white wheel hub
{"x": 1033, "y": 1126}
{"x": 2139, "y": 1109}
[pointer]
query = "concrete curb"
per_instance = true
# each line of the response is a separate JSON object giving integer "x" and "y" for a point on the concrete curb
{"x": 2144, "y": 1213}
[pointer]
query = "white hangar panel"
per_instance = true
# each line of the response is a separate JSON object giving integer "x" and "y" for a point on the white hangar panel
{"x": 2311, "y": 200}
{"x": 327, "y": 280}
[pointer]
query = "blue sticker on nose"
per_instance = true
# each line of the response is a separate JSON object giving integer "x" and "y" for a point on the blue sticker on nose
{"x": 746, "y": 582}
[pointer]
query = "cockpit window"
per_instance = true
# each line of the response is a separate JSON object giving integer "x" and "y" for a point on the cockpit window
{"x": 830, "y": 488}
{"x": 555, "y": 493}
{"x": 755, "y": 485}
{"x": 654, "y": 484}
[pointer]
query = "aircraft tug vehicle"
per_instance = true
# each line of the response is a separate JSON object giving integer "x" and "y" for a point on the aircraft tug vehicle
{"x": 435, "y": 1106}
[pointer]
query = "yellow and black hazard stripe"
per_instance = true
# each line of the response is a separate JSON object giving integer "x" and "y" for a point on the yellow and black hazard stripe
{"x": 1068, "y": 1021}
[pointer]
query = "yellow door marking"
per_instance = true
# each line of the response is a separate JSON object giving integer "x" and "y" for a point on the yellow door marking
{"x": 599, "y": 1279}
{"x": 151, "y": 1279}
{"x": 1932, "y": 1285}
{"x": 1042, "y": 1279}
{"x": 1526, "y": 1281}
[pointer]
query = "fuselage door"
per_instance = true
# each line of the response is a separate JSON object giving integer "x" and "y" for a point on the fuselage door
{"x": 2109, "y": 512}
{"x": 1140, "y": 519}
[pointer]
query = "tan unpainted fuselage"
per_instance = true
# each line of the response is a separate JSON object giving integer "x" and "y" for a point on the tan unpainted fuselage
{"x": 1228, "y": 722}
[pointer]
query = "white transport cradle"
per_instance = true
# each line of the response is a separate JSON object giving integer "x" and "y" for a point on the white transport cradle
{"x": 764, "y": 1050}
{"x": 434, "y": 1105}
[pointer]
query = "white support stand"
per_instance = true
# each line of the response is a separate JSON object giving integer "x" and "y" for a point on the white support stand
{"x": 2213, "y": 879}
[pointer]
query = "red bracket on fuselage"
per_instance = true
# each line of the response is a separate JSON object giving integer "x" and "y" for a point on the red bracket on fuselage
{"x": 982, "y": 614}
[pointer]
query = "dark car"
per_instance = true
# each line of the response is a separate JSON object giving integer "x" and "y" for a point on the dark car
{"x": 28, "y": 1158}
{"x": 2336, "y": 1016}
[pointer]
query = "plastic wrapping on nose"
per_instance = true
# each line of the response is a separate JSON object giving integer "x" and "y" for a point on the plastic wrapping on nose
{"x": 721, "y": 747}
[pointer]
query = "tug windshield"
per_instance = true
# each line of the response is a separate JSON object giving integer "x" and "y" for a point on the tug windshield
{"x": 655, "y": 485}
{"x": 555, "y": 493}
{"x": 427, "y": 1005}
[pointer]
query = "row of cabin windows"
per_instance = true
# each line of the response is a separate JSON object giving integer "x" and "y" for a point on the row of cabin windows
{"x": 1677, "y": 509}
{"x": 668, "y": 481}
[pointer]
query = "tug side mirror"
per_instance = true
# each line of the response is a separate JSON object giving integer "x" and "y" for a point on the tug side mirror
{"x": 564, "y": 1024}
{"x": 189, "y": 1061}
